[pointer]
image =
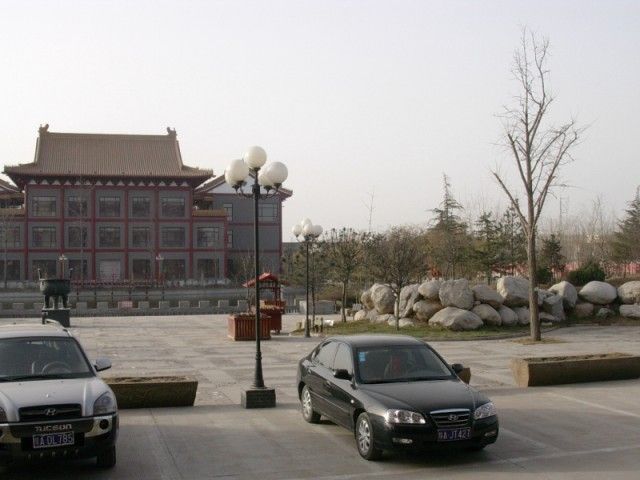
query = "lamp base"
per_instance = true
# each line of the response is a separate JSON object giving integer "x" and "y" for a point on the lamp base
{"x": 258, "y": 398}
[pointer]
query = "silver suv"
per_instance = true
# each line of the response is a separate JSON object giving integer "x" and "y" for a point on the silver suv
{"x": 52, "y": 402}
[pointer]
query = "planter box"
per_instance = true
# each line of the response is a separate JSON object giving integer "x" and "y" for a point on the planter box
{"x": 243, "y": 327}
{"x": 274, "y": 316}
{"x": 531, "y": 372}
{"x": 153, "y": 392}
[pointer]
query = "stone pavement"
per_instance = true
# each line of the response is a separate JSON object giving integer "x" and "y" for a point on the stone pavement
{"x": 564, "y": 432}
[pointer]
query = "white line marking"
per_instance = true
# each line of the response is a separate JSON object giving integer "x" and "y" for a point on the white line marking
{"x": 526, "y": 439}
{"x": 596, "y": 405}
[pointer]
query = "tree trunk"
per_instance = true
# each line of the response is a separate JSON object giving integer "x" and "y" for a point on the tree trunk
{"x": 344, "y": 301}
{"x": 398, "y": 312}
{"x": 533, "y": 281}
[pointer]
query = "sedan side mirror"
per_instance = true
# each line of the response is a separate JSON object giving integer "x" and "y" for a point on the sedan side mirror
{"x": 342, "y": 374}
{"x": 457, "y": 368}
{"x": 102, "y": 363}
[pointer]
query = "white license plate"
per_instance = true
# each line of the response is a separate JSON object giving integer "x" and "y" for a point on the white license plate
{"x": 50, "y": 440}
{"x": 454, "y": 434}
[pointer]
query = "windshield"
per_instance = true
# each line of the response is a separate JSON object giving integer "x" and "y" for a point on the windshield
{"x": 41, "y": 358}
{"x": 400, "y": 363}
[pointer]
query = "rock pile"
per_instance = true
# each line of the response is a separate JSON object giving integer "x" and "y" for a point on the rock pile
{"x": 456, "y": 305}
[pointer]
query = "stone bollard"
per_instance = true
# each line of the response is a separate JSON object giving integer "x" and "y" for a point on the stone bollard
{"x": 18, "y": 306}
{"x": 102, "y": 306}
{"x": 184, "y": 304}
{"x": 204, "y": 304}
{"x": 242, "y": 306}
{"x": 81, "y": 306}
{"x": 223, "y": 304}
{"x": 164, "y": 305}
{"x": 143, "y": 305}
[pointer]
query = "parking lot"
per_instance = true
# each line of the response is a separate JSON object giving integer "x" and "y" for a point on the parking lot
{"x": 564, "y": 432}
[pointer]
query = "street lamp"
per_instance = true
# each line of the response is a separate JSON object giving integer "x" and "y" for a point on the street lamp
{"x": 307, "y": 232}
{"x": 269, "y": 178}
{"x": 160, "y": 259}
{"x": 62, "y": 258}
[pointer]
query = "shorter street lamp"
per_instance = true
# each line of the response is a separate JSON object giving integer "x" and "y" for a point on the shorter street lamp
{"x": 62, "y": 259}
{"x": 307, "y": 232}
{"x": 269, "y": 178}
{"x": 160, "y": 259}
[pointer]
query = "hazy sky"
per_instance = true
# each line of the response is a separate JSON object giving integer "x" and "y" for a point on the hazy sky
{"x": 355, "y": 97}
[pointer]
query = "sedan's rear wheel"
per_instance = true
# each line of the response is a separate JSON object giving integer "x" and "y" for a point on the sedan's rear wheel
{"x": 308, "y": 413}
{"x": 365, "y": 439}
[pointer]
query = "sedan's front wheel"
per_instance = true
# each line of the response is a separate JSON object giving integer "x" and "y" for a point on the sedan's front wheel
{"x": 365, "y": 440}
{"x": 308, "y": 413}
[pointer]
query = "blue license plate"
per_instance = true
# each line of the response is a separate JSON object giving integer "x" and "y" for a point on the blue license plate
{"x": 50, "y": 440}
{"x": 454, "y": 434}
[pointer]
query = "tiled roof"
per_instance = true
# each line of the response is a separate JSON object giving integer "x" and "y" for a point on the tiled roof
{"x": 107, "y": 155}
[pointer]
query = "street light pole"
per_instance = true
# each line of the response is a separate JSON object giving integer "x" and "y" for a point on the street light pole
{"x": 306, "y": 232}
{"x": 271, "y": 179}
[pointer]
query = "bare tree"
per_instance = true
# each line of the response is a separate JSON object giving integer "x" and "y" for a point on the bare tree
{"x": 538, "y": 149}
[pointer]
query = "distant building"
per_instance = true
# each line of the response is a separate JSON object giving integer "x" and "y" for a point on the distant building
{"x": 124, "y": 207}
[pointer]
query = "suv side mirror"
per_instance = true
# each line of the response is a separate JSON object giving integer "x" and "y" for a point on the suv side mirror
{"x": 457, "y": 368}
{"x": 102, "y": 363}
{"x": 342, "y": 374}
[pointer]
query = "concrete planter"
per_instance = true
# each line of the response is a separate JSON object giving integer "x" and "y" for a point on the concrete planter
{"x": 531, "y": 372}
{"x": 153, "y": 392}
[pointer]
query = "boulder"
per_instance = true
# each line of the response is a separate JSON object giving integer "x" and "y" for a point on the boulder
{"x": 360, "y": 315}
{"x": 523, "y": 314}
{"x": 408, "y": 296}
{"x": 387, "y": 318}
{"x": 456, "y": 293}
{"x": 488, "y": 314}
{"x": 629, "y": 292}
{"x": 568, "y": 293}
{"x": 583, "y": 310}
{"x": 405, "y": 322}
{"x": 630, "y": 311}
{"x": 547, "y": 318}
{"x": 604, "y": 312}
{"x": 372, "y": 315}
{"x": 508, "y": 316}
{"x": 600, "y": 293}
{"x": 555, "y": 306}
{"x": 383, "y": 298}
{"x": 430, "y": 289}
{"x": 485, "y": 294}
{"x": 514, "y": 291}
{"x": 425, "y": 309}
{"x": 365, "y": 299}
{"x": 542, "y": 294}
{"x": 456, "y": 319}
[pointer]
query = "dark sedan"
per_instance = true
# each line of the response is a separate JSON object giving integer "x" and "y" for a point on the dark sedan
{"x": 394, "y": 392}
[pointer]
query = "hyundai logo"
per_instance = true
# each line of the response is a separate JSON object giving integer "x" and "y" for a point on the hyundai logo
{"x": 453, "y": 417}
{"x": 50, "y": 412}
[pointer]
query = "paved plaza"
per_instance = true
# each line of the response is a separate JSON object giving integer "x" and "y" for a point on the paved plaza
{"x": 586, "y": 431}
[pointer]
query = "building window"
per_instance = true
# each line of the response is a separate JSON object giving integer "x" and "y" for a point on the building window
{"x": 76, "y": 206}
{"x": 109, "y": 206}
{"x": 77, "y": 237}
{"x": 172, "y": 237}
{"x": 208, "y": 236}
{"x": 43, "y": 237}
{"x": 109, "y": 237}
{"x": 229, "y": 238}
{"x": 140, "y": 237}
{"x": 140, "y": 207}
{"x": 109, "y": 270}
{"x": 13, "y": 270}
{"x": 43, "y": 206}
{"x": 173, "y": 269}
{"x": 228, "y": 207}
{"x": 267, "y": 212}
{"x": 10, "y": 237}
{"x": 172, "y": 207}
{"x": 141, "y": 269}
{"x": 208, "y": 268}
{"x": 80, "y": 269}
{"x": 47, "y": 269}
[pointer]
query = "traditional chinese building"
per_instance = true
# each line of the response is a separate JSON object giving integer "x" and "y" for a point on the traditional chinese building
{"x": 120, "y": 207}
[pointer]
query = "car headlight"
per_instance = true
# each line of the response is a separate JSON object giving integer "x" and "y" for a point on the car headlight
{"x": 484, "y": 411}
{"x": 106, "y": 403}
{"x": 404, "y": 416}
{"x": 3, "y": 415}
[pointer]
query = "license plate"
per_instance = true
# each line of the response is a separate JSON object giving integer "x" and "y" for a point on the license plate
{"x": 454, "y": 434}
{"x": 50, "y": 440}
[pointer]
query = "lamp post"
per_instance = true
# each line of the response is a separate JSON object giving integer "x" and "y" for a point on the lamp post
{"x": 269, "y": 178}
{"x": 306, "y": 232}
{"x": 160, "y": 259}
{"x": 62, "y": 259}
